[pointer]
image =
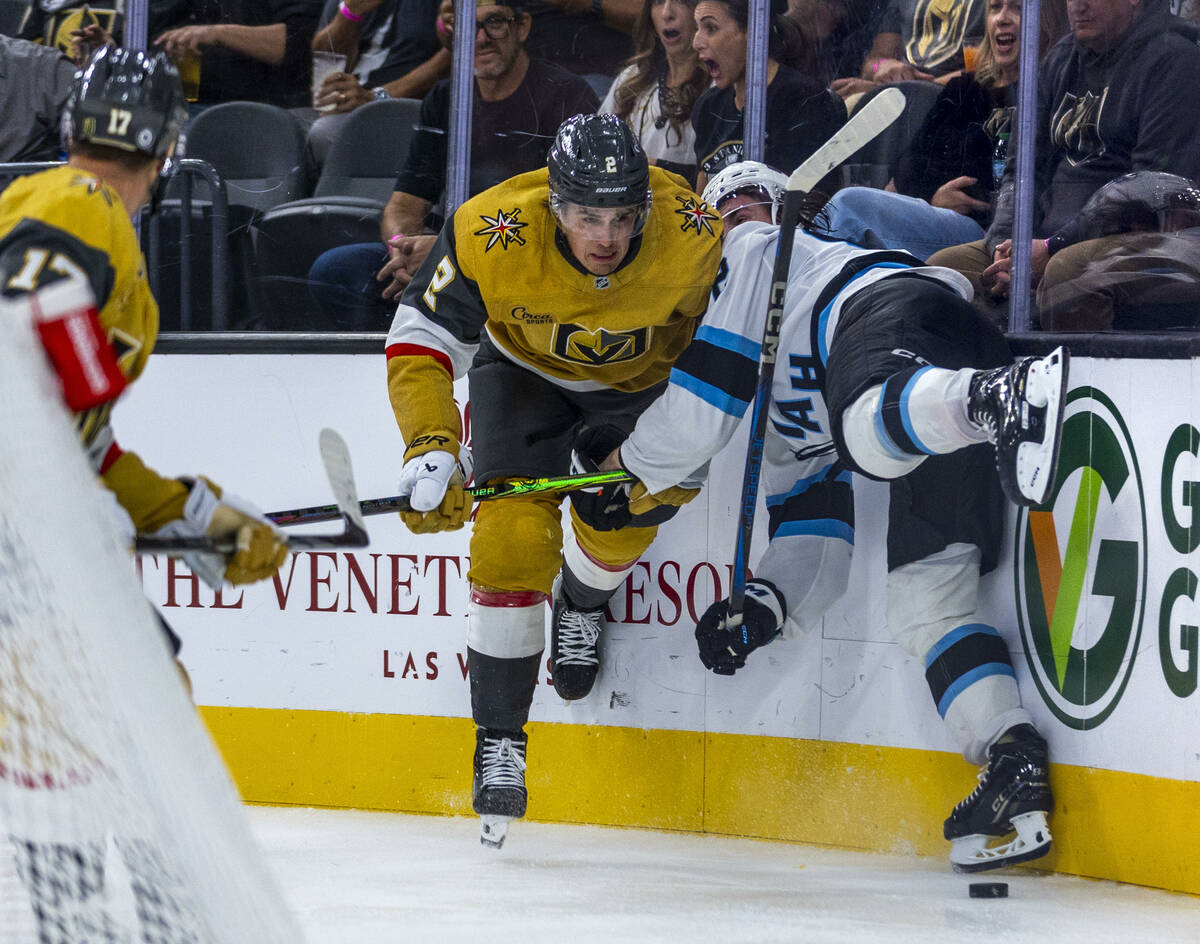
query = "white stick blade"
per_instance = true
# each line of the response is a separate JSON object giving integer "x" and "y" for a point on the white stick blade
{"x": 867, "y": 122}
{"x": 336, "y": 457}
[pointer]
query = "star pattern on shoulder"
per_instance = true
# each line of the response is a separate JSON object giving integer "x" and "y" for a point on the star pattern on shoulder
{"x": 503, "y": 228}
{"x": 696, "y": 214}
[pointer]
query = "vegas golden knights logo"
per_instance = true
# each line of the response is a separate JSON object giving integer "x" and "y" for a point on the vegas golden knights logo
{"x": 597, "y": 348}
{"x": 1075, "y": 127}
{"x": 938, "y": 28}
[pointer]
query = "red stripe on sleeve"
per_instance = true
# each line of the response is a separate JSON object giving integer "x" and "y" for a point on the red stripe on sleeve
{"x": 416, "y": 350}
{"x": 114, "y": 453}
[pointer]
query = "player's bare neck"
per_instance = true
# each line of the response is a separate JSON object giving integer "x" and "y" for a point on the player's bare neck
{"x": 130, "y": 186}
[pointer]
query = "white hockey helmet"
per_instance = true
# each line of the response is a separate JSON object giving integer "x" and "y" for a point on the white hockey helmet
{"x": 747, "y": 177}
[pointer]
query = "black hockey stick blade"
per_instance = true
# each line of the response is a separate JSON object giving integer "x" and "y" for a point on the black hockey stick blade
{"x": 336, "y": 459}
{"x": 865, "y": 124}
{"x": 380, "y": 506}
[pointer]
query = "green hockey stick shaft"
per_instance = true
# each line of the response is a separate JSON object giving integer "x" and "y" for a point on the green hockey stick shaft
{"x": 380, "y": 506}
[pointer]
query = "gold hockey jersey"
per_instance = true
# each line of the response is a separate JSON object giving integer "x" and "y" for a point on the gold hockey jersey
{"x": 497, "y": 268}
{"x": 65, "y": 223}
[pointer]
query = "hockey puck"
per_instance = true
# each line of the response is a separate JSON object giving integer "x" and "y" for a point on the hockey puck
{"x": 988, "y": 889}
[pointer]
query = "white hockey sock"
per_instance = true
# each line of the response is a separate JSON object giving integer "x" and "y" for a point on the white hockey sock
{"x": 870, "y": 446}
{"x": 589, "y": 571}
{"x": 937, "y": 410}
{"x": 506, "y": 625}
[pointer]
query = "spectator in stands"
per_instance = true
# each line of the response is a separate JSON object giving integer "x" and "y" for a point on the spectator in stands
{"x": 588, "y": 37}
{"x": 801, "y": 113}
{"x": 34, "y": 84}
{"x": 51, "y": 22}
{"x": 1114, "y": 97}
{"x": 842, "y": 33}
{"x": 519, "y": 103}
{"x": 250, "y": 50}
{"x": 392, "y": 51}
{"x": 926, "y": 41}
{"x": 657, "y": 90}
{"x": 941, "y": 190}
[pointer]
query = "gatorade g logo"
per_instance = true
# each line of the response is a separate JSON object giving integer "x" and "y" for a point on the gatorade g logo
{"x": 1080, "y": 567}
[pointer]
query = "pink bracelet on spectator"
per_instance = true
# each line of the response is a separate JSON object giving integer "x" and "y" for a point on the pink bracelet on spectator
{"x": 875, "y": 68}
{"x": 441, "y": 29}
{"x": 348, "y": 13}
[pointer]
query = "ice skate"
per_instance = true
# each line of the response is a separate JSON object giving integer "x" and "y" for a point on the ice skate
{"x": 574, "y": 634}
{"x": 499, "y": 786}
{"x": 1013, "y": 795}
{"x": 1021, "y": 407}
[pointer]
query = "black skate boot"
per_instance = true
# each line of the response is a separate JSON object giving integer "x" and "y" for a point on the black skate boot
{"x": 498, "y": 794}
{"x": 574, "y": 634}
{"x": 1013, "y": 794}
{"x": 1021, "y": 407}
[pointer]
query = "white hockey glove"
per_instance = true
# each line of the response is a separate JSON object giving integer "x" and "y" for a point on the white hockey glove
{"x": 433, "y": 483}
{"x": 725, "y": 641}
{"x": 209, "y": 513}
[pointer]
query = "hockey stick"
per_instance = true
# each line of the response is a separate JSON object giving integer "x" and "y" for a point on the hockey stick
{"x": 380, "y": 506}
{"x": 336, "y": 459}
{"x": 866, "y": 123}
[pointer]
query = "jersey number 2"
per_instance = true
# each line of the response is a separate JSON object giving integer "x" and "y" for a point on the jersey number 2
{"x": 443, "y": 275}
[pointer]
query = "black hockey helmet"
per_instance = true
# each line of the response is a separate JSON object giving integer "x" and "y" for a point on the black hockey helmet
{"x": 596, "y": 161}
{"x": 125, "y": 99}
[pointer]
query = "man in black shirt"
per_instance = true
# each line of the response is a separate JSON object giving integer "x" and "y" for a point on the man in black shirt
{"x": 250, "y": 50}
{"x": 519, "y": 104}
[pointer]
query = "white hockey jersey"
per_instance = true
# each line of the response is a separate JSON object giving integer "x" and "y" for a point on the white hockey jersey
{"x": 808, "y": 494}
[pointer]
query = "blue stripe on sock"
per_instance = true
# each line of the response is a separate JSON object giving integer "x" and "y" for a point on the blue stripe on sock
{"x": 906, "y": 419}
{"x": 970, "y": 678}
{"x": 959, "y": 632}
{"x": 819, "y": 527}
{"x": 886, "y": 443}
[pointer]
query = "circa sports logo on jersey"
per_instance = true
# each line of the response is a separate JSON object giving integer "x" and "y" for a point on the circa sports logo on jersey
{"x": 1081, "y": 601}
{"x": 521, "y": 313}
{"x": 596, "y": 348}
{"x": 696, "y": 215}
{"x": 503, "y": 228}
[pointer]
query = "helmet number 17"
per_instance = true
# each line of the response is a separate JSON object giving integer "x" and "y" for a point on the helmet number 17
{"x": 118, "y": 121}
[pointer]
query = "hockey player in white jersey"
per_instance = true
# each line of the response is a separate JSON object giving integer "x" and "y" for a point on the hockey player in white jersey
{"x": 883, "y": 368}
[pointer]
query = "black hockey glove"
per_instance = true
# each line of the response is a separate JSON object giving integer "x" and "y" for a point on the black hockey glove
{"x": 724, "y": 642}
{"x": 605, "y": 508}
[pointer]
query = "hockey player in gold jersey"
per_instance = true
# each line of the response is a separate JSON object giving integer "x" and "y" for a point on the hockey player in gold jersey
{"x": 565, "y": 294}
{"x": 66, "y": 239}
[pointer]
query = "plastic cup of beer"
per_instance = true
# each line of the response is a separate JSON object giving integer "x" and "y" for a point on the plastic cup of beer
{"x": 970, "y": 51}
{"x": 189, "y": 74}
{"x": 324, "y": 65}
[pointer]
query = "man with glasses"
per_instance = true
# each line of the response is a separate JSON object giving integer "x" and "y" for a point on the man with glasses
{"x": 519, "y": 103}
{"x": 565, "y": 295}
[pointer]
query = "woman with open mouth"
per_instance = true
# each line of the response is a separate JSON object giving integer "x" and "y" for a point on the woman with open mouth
{"x": 801, "y": 113}
{"x": 656, "y": 91}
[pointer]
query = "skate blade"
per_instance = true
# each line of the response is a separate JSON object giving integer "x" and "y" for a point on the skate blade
{"x": 973, "y": 854}
{"x": 1037, "y": 462}
{"x": 493, "y": 830}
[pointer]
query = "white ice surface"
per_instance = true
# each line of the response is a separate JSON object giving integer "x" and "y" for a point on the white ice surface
{"x": 378, "y": 878}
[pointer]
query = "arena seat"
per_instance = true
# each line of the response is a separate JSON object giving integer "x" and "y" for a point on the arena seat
{"x": 356, "y": 182}
{"x": 258, "y": 153}
{"x": 871, "y": 165}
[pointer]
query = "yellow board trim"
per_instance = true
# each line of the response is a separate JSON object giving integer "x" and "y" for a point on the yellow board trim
{"x": 1108, "y": 824}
